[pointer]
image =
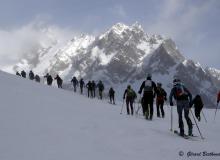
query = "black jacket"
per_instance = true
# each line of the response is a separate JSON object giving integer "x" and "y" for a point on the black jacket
{"x": 148, "y": 93}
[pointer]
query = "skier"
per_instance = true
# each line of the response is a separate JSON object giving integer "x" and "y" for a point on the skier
{"x": 149, "y": 88}
{"x": 31, "y": 75}
{"x": 49, "y": 79}
{"x": 37, "y": 78}
{"x": 81, "y": 84}
{"x": 75, "y": 83}
{"x": 218, "y": 97}
{"x": 161, "y": 97}
{"x": 59, "y": 81}
{"x": 93, "y": 89}
{"x": 183, "y": 98}
{"x": 198, "y": 104}
{"x": 100, "y": 88}
{"x": 130, "y": 97}
{"x": 23, "y": 74}
{"x": 112, "y": 95}
{"x": 18, "y": 74}
{"x": 89, "y": 87}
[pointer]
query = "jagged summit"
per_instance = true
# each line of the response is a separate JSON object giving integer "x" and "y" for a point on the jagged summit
{"x": 123, "y": 54}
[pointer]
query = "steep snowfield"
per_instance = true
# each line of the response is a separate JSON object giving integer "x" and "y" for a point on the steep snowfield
{"x": 38, "y": 122}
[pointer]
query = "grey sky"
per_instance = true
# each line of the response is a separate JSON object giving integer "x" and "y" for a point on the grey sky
{"x": 194, "y": 25}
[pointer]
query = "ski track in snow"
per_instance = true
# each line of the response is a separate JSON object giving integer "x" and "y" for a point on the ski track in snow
{"x": 41, "y": 123}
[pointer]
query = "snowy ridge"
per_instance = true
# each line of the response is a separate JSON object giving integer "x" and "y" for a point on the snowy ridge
{"x": 214, "y": 72}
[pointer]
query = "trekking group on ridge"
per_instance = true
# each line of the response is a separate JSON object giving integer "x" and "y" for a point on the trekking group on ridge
{"x": 149, "y": 91}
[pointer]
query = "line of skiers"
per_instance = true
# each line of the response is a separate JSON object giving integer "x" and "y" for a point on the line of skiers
{"x": 150, "y": 91}
{"x": 31, "y": 75}
{"x": 179, "y": 92}
{"x": 37, "y": 78}
{"x": 91, "y": 88}
{"x": 91, "y": 85}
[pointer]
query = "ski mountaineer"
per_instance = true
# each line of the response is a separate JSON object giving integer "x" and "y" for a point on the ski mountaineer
{"x": 161, "y": 96}
{"x": 183, "y": 98}
{"x": 198, "y": 105}
{"x": 130, "y": 97}
{"x": 218, "y": 97}
{"x": 75, "y": 83}
{"x": 111, "y": 94}
{"x": 23, "y": 74}
{"x": 59, "y": 81}
{"x": 89, "y": 87}
{"x": 31, "y": 75}
{"x": 37, "y": 78}
{"x": 81, "y": 85}
{"x": 93, "y": 89}
{"x": 101, "y": 87}
{"x": 18, "y": 74}
{"x": 149, "y": 88}
{"x": 49, "y": 79}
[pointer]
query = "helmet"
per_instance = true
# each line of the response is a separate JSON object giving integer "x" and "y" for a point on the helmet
{"x": 149, "y": 75}
{"x": 129, "y": 86}
{"x": 176, "y": 80}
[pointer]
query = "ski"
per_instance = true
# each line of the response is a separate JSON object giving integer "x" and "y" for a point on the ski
{"x": 177, "y": 133}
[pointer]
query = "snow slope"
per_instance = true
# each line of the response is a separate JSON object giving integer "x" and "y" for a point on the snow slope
{"x": 38, "y": 122}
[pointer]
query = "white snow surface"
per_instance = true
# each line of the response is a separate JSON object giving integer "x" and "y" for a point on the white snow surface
{"x": 45, "y": 123}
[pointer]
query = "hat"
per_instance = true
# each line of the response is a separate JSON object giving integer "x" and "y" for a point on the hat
{"x": 149, "y": 75}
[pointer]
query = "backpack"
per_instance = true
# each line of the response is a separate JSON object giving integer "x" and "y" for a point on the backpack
{"x": 160, "y": 94}
{"x": 179, "y": 90}
{"x": 101, "y": 87}
{"x": 131, "y": 93}
{"x": 148, "y": 86}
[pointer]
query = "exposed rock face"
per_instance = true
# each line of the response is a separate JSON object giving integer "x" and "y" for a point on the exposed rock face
{"x": 122, "y": 55}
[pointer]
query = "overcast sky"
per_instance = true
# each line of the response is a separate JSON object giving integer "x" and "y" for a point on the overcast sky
{"x": 193, "y": 24}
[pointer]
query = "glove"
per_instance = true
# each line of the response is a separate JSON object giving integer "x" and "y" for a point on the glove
{"x": 217, "y": 102}
{"x": 139, "y": 92}
{"x": 190, "y": 104}
{"x": 165, "y": 98}
{"x": 171, "y": 103}
{"x": 123, "y": 97}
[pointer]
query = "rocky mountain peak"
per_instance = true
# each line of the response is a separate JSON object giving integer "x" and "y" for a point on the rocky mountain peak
{"x": 123, "y": 54}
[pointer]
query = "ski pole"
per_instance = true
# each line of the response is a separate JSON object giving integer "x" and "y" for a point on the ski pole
{"x": 122, "y": 106}
{"x": 138, "y": 105}
{"x": 197, "y": 125}
{"x": 171, "y": 119}
{"x": 138, "y": 108}
{"x": 216, "y": 111}
{"x": 204, "y": 116}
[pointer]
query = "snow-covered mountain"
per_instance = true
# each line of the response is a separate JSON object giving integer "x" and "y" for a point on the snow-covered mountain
{"x": 124, "y": 54}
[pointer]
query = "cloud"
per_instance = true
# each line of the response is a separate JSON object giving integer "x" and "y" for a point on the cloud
{"x": 26, "y": 40}
{"x": 187, "y": 22}
{"x": 178, "y": 17}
